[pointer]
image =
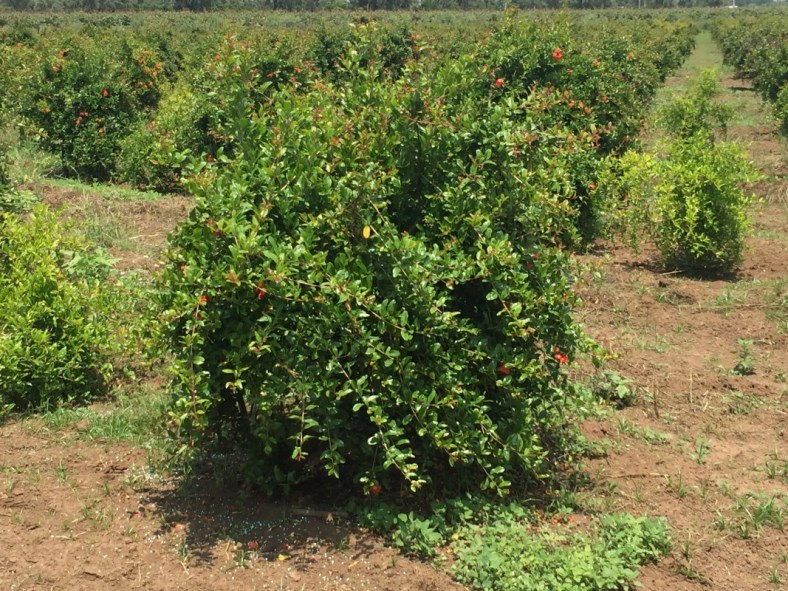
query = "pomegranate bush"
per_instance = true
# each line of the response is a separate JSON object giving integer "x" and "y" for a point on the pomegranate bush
{"x": 376, "y": 286}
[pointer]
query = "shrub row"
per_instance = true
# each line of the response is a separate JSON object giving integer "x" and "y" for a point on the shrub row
{"x": 756, "y": 45}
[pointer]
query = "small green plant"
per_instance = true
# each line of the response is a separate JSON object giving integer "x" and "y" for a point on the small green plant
{"x": 678, "y": 486}
{"x": 654, "y": 437}
{"x": 757, "y": 511}
{"x": 777, "y": 470}
{"x": 506, "y": 556}
{"x": 61, "y": 471}
{"x": 609, "y": 385}
{"x": 739, "y": 403}
{"x": 701, "y": 450}
{"x": 745, "y": 366}
{"x": 774, "y": 577}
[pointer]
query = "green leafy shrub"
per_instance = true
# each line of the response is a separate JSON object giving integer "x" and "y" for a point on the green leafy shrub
{"x": 373, "y": 295}
{"x": 53, "y": 330}
{"x": 194, "y": 119}
{"x": 87, "y": 98}
{"x": 375, "y": 281}
{"x": 690, "y": 202}
{"x": 696, "y": 111}
{"x": 757, "y": 47}
{"x": 507, "y": 555}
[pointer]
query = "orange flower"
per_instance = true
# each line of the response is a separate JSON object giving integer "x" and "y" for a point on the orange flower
{"x": 375, "y": 489}
{"x": 101, "y": 130}
{"x": 203, "y": 300}
{"x": 105, "y": 93}
{"x": 558, "y": 55}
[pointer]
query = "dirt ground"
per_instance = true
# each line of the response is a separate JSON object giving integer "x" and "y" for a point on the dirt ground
{"x": 702, "y": 446}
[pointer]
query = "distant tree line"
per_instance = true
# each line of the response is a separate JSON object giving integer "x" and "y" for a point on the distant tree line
{"x": 204, "y": 5}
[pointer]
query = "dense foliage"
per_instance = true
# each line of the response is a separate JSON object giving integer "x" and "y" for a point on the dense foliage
{"x": 374, "y": 283}
{"x": 508, "y": 556}
{"x": 54, "y": 329}
{"x": 687, "y": 196}
{"x": 756, "y": 45}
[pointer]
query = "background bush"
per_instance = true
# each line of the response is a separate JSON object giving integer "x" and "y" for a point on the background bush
{"x": 53, "y": 330}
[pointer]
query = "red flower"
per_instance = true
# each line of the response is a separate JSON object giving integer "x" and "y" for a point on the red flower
{"x": 558, "y": 55}
{"x": 499, "y": 83}
{"x": 375, "y": 489}
{"x": 261, "y": 292}
{"x": 203, "y": 300}
{"x": 559, "y": 356}
{"x": 105, "y": 93}
{"x": 503, "y": 370}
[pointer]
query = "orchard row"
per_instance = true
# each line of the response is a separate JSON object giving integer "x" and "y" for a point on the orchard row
{"x": 375, "y": 281}
{"x": 756, "y": 45}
